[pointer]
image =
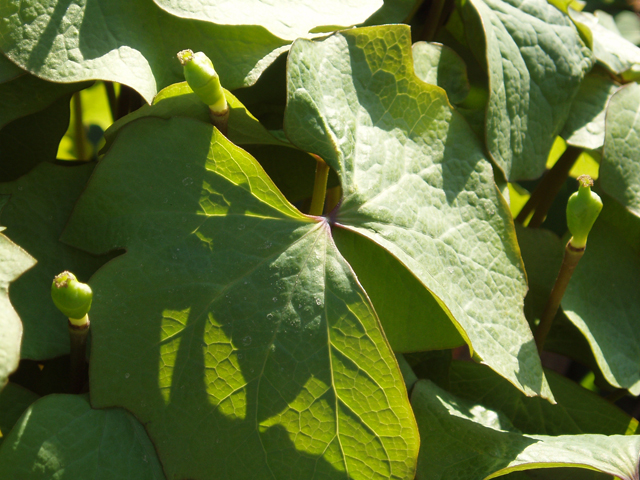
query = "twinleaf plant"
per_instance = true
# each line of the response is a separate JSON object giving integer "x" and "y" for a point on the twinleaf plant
{"x": 319, "y": 241}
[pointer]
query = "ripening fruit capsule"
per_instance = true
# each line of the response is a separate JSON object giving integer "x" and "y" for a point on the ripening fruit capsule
{"x": 203, "y": 79}
{"x": 72, "y": 297}
{"x": 583, "y": 209}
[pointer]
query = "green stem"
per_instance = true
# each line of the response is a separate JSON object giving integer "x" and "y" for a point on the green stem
{"x": 220, "y": 120}
{"x": 78, "y": 128}
{"x": 113, "y": 101}
{"x": 319, "y": 187}
{"x": 545, "y": 193}
{"x": 433, "y": 20}
{"x": 334, "y": 195}
{"x": 571, "y": 258}
{"x": 78, "y": 343}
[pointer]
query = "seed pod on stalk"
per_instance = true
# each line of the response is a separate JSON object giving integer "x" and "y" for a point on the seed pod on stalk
{"x": 205, "y": 82}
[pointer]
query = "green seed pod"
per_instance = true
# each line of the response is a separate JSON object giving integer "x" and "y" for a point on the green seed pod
{"x": 583, "y": 209}
{"x": 71, "y": 297}
{"x": 203, "y": 79}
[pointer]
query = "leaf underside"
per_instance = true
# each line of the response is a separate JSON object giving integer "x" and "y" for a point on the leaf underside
{"x": 415, "y": 182}
{"x": 467, "y": 441}
{"x": 127, "y": 42}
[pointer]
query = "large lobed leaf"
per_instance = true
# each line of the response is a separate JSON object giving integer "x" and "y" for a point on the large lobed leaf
{"x": 467, "y": 441}
{"x": 232, "y": 327}
{"x": 133, "y": 42}
{"x": 61, "y": 437}
{"x": 415, "y": 181}
{"x": 536, "y": 61}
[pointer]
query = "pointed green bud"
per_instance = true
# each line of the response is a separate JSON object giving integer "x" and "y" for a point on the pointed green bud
{"x": 71, "y": 297}
{"x": 203, "y": 79}
{"x": 583, "y": 209}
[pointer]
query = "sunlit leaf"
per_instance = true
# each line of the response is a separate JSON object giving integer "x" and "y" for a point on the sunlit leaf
{"x": 415, "y": 181}
{"x": 131, "y": 42}
{"x": 232, "y": 327}
{"x": 285, "y": 19}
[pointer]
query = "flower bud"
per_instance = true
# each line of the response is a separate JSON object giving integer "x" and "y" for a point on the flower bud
{"x": 72, "y": 297}
{"x": 203, "y": 79}
{"x": 583, "y": 209}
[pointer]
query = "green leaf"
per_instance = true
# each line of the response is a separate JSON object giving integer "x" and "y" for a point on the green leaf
{"x": 178, "y": 100}
{"x": 609, "y": 48}
{"x": 439, "y": 65}
{"x": 412, "y": 318}
{"x": 284, "y": 19}
{"x": 62, "y": 437}
{"x": 602, "y": 301}
{"x": 232, "y": 327}
{"x": 14, "y": 400}
{"x": 39, "y": 206}
{"x": 628, "y": 25}
{"x": 536, "y": 61}
{"x": 577, "y": 411}
{"x": 13, "y": 262}
{"x": 586, "y": 123}
{"x": 27, "y": 94}
{"x": 415, "y": 181}
{"x": 619, "y": 169}
{"x": 115, "y": 40}
{"x": 464, "y": 440}
{"x": 29, "y": 140}
{"x": 8, "y": 69}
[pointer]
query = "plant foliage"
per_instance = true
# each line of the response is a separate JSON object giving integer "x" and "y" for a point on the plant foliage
{"x": 234, "y": 335}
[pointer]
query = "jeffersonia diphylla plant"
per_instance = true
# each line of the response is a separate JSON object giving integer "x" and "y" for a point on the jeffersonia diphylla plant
{"x": 342, "y": 253}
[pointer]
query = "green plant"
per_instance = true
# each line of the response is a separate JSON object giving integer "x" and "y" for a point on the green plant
{"x": 254, "y": 319}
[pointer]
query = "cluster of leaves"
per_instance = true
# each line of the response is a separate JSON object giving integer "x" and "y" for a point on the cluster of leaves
{"x": 235, "y": 337}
